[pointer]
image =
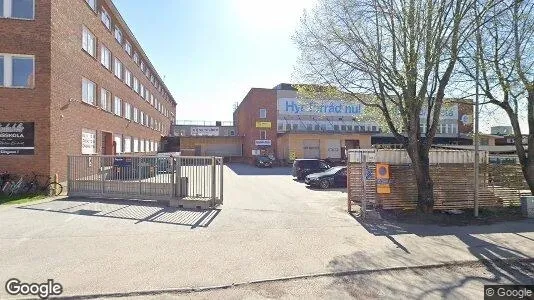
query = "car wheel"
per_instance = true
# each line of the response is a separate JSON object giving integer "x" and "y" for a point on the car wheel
{"x": 324, "y": 184}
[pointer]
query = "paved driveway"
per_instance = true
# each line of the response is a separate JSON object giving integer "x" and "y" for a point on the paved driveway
{"x": 269, "y": 227}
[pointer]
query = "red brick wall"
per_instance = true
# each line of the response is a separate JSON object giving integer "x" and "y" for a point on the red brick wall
{"x": 248, "y": 113}
{"x": 31, "y": 37}
{"x": 55, "y": 37}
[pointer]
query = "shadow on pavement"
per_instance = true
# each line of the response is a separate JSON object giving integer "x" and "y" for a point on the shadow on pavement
{"x": 139, "y": 211}
{"x": 250, "y": 170}
{"x": 500, "y": 264}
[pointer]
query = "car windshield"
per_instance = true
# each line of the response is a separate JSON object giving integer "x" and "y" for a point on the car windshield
{"x": 333, "y": 170}
{"x": 263, "y": 158}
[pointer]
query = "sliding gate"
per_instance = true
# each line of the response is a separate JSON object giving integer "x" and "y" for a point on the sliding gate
{"x": 147, "y": 177}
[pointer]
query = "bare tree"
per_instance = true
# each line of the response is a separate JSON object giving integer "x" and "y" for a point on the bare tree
{"x": 402, "y": 54}
{"x": 502, "y": 49}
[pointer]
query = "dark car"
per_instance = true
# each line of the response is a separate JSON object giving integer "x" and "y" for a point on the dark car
{"x": 304, "y": 167}
{"x": 333, "y": 177}
{"x": 264, "y": 162}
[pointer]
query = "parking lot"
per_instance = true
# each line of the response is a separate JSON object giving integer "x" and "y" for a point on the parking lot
{"x": 269, "y": 227}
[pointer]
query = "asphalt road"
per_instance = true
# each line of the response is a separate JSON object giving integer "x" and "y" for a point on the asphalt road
{"x": 269, "y": 227}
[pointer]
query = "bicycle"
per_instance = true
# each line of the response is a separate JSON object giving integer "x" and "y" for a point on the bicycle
{"x": 16, "y": 188}
{"x": 50, "y": 187}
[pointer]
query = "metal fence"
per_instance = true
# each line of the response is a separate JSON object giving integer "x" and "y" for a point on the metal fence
{"x": 147, "y": 177}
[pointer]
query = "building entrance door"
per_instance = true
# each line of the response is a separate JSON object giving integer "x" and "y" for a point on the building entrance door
{"x": 107, "y": 143}
{"x": 311, "y": 148}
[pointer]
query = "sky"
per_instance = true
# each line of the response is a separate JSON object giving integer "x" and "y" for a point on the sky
{"x": 210, "y": 53}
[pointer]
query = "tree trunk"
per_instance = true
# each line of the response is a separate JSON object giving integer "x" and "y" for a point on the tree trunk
{"x": 419, "y": 154}
{"x": 528, "y": 173}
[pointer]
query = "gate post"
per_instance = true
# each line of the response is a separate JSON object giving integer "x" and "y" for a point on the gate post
{"x": 173, "y": 178}
{"x": 221, "y": 182}
{"x": 213, "y": 181}
{"x": 139, "y": 175}
{"x": 178, "y": 172}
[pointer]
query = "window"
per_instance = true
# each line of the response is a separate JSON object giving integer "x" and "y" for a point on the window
{"x": 105, "y": 99}
{"x": 141, "y": 145}
{"x": 295, "y": 127}
{"x": 136, "y": 57}
{"x": 127, "y": 111}
{"x": 128, "y": 47}
{"x": 135, "y": 145}
{"x": 92, "y": 4}
{"x": 147, "y": 72}
{"x": 263, "y": 135}
{"x": 142, "y": 117}
{"x": 118, "y": 35}
{"x": 118, "y": 143}
{"x": 142, "y": 90}
{"x": 18, "y": 71}
{"x": 151, "y": 98}
{"x": 136, "y": 85}
{"x": 263, "y": 113}
{"x": 88, "y": 42}
{"x": 106, "y": 19}
{"x": 127, "y": 144}
{"x": 336, "y": 127}
{"x": 17, "y": 9}
{"x": 88, "y": 91}
{"x": 135, "y": 115}
{"x": 147, "y": 145}
{"x": 105, "y": 57}
{"x": 118, "y": 106}
{"x": 1, "y": 67}
{"x": 142, "y": 66}
{"x": 118, "y": 68}
{"x": 128, "y": 77}
{"x": 88, "y": 141}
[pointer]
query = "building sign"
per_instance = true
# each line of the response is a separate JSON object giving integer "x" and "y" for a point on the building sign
{"x": 17, "y": 138}
{"x": 88, "y": 141}
{"x": 256, "y": 152}
{"x": 262, "y": 142}
{"x": 382, "y": 179}
{"x": 260, "y": 124}
{"x": 337, "y": 108}
{"x": 123, "y": 162}
{"x": 292, "y": 155}
{"x": 448, "y": 112}
{"x": 205, "y": 131}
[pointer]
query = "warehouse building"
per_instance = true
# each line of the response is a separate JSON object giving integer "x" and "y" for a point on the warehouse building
{"x": 205, "y": 138}
{"x": 74, "y": 81}
{"x": 276, "y": 123}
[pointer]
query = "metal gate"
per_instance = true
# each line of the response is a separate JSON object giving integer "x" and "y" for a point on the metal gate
{"x": 311, "y": 148}
{"x": 160, "y": 178}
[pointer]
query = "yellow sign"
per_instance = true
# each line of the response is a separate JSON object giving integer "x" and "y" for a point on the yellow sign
{"x": 260, "y": 124}
{"x": 382, "y": 179}
{"x": 292, "y": 155}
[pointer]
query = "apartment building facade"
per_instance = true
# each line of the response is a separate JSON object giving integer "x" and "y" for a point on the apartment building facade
{"x": 74, "y": 81}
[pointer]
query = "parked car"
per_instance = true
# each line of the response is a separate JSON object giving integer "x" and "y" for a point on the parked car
{"x": 264, "y": 162}
{"x": 333, "y": 177}
{"x": 304, "y": 167}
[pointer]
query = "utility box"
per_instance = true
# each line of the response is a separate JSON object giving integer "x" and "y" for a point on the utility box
{"x": 527, "y": 206}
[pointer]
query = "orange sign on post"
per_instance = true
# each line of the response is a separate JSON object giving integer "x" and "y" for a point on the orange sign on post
{"x": 382, "y": 179}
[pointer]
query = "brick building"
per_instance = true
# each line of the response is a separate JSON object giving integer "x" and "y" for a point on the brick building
{"x": 74, "y": 80}
{"x": 275, "y": 122}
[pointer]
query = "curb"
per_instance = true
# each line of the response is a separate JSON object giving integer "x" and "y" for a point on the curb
{"x": 506, "y": 261}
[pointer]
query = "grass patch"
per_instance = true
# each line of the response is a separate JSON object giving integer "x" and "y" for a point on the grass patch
{"x": 21, "y": 199}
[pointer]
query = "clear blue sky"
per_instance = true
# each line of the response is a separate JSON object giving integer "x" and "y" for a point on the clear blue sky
{"x": 212, "y": 52}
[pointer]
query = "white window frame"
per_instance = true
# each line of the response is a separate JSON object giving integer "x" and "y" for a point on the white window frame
{"x": 128, "y": 47}
{"x": 105, "y": 18}
{"x": 8, "y": 11}
{"x": 135, "y": 145}
{"x": 142, "y": 117}
{"x": 118, "y": 68}
{"x": 127, "y": 77}
{"x": 88, "y": 41}
{"x": 118, "y": 34}
{"x": 127, "y": 144}
{"x": 92, "y": 4}
{"x": 136, "y": 58}
{"x": 263, "y": 134}
{"x": 105, "y": 57}
{"x": 135, "y": 114}
{"x": 117, "y": 138}
{"x": 263, "y": 113}
{"x": 136, "y": 84}
{"x": 141, "y": 145}
{"x": 8, "y": 70}
{"x": 86, "y": 83}
{"x": 127, "y": 111}
{"x": 117, "y": 112}
{"x": 105, "y": 99}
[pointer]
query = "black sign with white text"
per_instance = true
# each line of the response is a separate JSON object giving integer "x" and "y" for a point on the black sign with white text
{"x": 17, "y": 138}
